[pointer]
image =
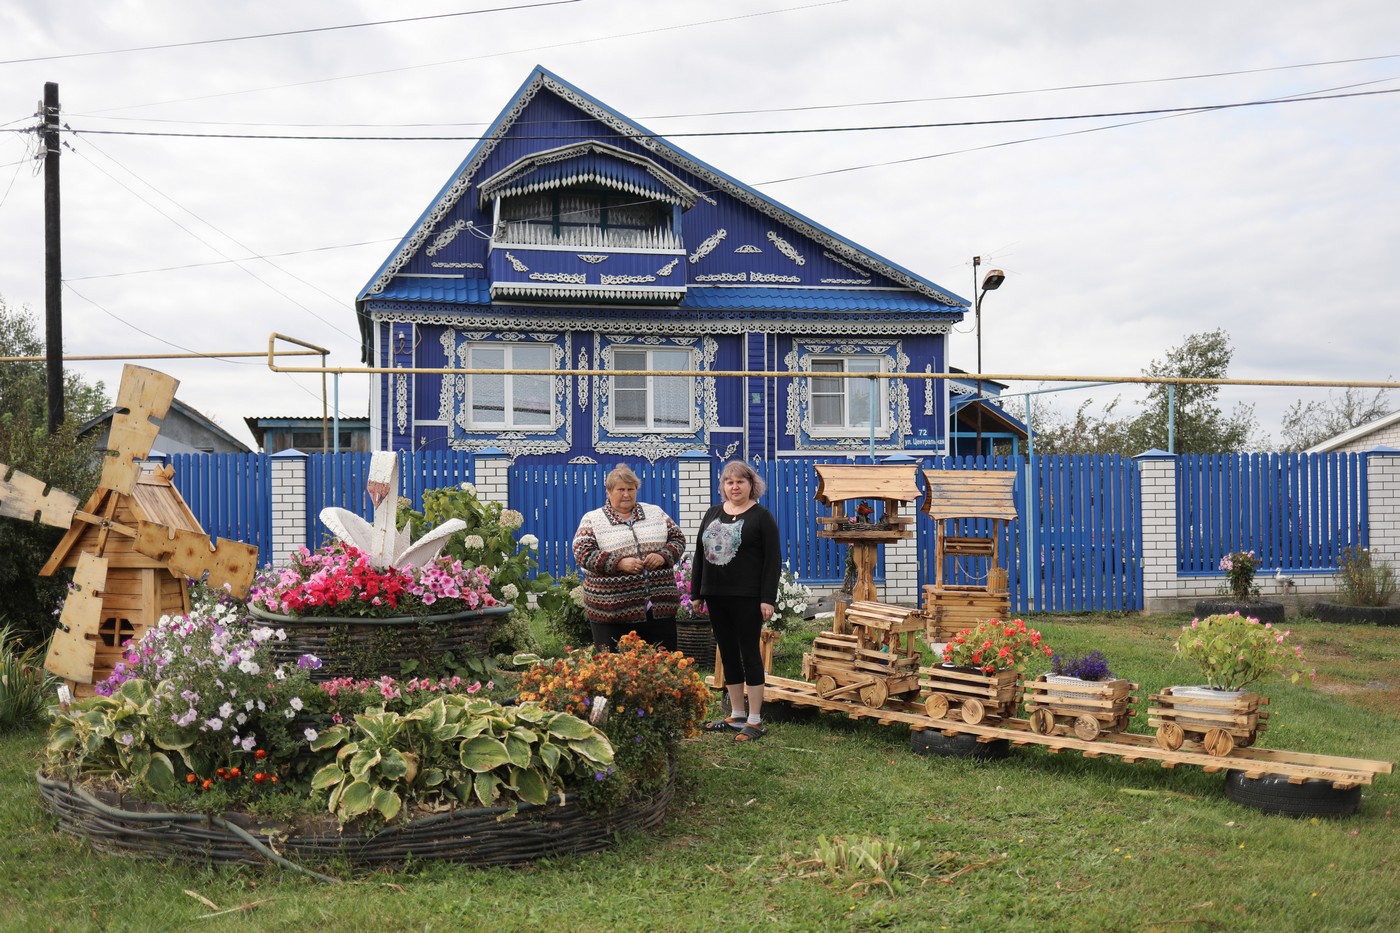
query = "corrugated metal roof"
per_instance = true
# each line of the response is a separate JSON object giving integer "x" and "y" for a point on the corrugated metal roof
{"x": 756, "y": 298}
{"x": 446, "y": 291}
{"x": 760, "y": 298}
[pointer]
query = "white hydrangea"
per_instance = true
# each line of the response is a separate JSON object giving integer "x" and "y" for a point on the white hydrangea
{"x": 511, "y": 519}
{"x": 510, "y": 592}
{"x": 474, "y": 542}
{"x": 530, "y": 541}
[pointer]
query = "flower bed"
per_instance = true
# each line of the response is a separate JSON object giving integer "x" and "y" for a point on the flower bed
{"x": 121, "y": 824}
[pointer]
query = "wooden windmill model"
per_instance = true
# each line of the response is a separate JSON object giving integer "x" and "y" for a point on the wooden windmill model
{"x": 131, "y": 546}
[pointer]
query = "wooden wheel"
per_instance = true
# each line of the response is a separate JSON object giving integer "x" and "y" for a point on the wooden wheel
{"x": 874, "y": 695}
{"x": 973, "y": 711}
{"x": 936, "y": 706}
{"x": 825, "y": 684}
{"x": 1219, "y": 743}
{"x": 1087, "y": 728}
{"x": 1042, "y": 722}
{"x": 1170, "y": 736}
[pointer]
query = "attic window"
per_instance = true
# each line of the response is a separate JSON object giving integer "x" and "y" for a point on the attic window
{"x": 589, "y": 217}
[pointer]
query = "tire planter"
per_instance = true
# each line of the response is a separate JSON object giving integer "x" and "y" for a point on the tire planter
{"x": 962, "y": 745}
{"x": 368, "y": 648}
{"x": 116, "y": 824}
{"x": 1263, "y": 610}
{"x": 1374, "y": 615}
{"x": 1272, "y": 793}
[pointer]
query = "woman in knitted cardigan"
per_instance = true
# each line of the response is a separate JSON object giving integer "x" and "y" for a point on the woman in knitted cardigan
{"x": 627, "y": 550}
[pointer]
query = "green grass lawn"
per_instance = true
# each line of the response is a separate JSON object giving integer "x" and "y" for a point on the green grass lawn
{"x": 1031, "y": 842}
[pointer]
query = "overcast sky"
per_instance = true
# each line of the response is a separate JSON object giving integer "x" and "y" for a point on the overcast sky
{"x": 1119, "y": 235}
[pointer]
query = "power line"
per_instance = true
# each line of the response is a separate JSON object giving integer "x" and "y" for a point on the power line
{"x": 1104, "y": 115}
{"x": 224, "y": 262}
{"x": 290, "y": 32}
{"x": 489, "y": 55}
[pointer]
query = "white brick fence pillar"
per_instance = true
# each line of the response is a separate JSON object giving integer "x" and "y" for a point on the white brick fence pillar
{"x": 288, "y": 506}
{"x": 1383, "y": 503}
{"x": 1157, "y": 503}
{"x": 492, "y": 472}
{"x": 697, "y": 493}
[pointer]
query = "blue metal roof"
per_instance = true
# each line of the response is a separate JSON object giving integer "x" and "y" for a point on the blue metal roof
{"x": 756, "y": 298}
{"x": 447, "y": 291}
{"x": 767, "y": 298}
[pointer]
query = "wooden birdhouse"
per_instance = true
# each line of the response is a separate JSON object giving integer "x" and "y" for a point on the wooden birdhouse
{"x": 950, "y": 496}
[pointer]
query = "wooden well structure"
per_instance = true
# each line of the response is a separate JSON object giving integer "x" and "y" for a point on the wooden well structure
{"x": 951, "y": 495}
{"x": 844, "y": 487}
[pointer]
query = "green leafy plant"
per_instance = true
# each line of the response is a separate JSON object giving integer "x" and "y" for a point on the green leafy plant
{"x": 26, "y": 689}
{"x": 562, "y": 605}
{"x": 1364, "y": 579}
{"x": 1240, "y": 567}
{"x": 1234, "y": 651}
{"x": 860, "y": 863}
{"x": 454, "y": 749}
{"x": 117, "y": 736}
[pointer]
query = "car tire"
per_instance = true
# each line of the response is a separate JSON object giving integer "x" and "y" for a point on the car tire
{"x": 962, "y": 745}
{"x": 1272, "y": 793}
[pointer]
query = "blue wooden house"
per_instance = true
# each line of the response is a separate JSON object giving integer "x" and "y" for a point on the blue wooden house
{"x": 571, "y": 238}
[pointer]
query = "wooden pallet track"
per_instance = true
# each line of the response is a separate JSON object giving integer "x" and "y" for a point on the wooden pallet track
{"x": 1132, "y": 748}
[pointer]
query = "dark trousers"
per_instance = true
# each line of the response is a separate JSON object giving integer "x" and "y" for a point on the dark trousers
{"x": 656, "y": 631}
{"x": 737, "y": 621}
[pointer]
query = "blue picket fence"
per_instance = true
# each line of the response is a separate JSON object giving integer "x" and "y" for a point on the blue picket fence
{"x": 1295, "y": 511}
{"x": 230, "y": 494}
{"x": 1075, "y": 545}
{"x": 553, "y": 497}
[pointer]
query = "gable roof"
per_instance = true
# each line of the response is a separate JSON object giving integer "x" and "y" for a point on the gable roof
{"x": 425, "y": 233}
{"x": 191, "y": 415}
{"x": 1355, "y": 434}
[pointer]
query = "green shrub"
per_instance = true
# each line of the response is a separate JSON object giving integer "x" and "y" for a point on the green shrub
{"x": 26, "y": 689}
{"x": 1364, "y": 580}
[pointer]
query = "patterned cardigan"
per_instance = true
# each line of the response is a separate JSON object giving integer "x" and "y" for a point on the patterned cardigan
{"x": 604, "y": 538}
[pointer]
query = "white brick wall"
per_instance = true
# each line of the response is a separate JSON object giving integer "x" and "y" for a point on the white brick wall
{"x": 902, "y": 584}
{"x": 492, "y": 477}
{"x": 1157, "y": 479}
{"x": 696, "y": 495}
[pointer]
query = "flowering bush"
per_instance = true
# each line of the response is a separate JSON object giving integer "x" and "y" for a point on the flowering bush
{"x": 995, "y": 646}
{"x": 1091, "y": 666}
{"x": 488, "y": 542}
{"x": 690, "y": 606}
{"x": 653, "y": 697}
{"x": 203, "y": 686}
{"x": 340, "y": 580}
{"x": 1234, "y": 651}
{"x": 1239, "y": 567}
{"x": 791, "y": 607}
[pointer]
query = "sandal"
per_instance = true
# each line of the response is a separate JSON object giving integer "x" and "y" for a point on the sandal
{"x": 751, "y": 733}
{"x": 734, "y": 723}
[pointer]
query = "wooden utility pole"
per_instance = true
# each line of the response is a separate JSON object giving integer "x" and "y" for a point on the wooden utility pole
{"x": 53, "y": 278}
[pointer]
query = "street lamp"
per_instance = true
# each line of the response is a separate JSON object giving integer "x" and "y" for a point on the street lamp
{"x": 992, "y": 282}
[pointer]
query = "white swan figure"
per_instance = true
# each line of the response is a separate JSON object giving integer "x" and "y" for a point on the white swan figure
{"x": 386, "y": 545}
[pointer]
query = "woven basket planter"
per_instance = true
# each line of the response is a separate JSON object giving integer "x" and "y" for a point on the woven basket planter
{"x": 116, "y": 824}
{"x": 696, "y": 639}
{"x": 369, "y": 648}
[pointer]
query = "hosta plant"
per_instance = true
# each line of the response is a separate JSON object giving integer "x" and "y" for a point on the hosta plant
{"x": 118, "y": 736}
{"x": 454, "y": 750}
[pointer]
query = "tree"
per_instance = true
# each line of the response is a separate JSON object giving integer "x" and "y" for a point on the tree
{"x": 1201, "y": 427}
{"x": 1307, "y": 424}
{"x": 64, "y": 461}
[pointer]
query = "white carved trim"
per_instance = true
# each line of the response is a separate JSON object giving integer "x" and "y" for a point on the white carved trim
{"x": 786, "y": 248}
{"x": 708, "y": 245}
{"x": 607, "y": 318}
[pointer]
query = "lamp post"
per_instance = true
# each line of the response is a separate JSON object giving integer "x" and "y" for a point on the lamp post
{"x": 991, "y": 283}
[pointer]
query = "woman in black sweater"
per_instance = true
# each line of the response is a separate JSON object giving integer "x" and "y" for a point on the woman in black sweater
{"x": 736, "y": 568}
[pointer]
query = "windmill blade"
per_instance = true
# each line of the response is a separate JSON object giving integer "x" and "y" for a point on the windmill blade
{"x": 229, "y": 564}
{"x": 144, "y": 394}
{"x": 29, "y": 499}
{"x": 73, "y": 648}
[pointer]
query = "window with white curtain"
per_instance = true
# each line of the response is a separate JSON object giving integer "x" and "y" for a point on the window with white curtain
{"x": 842, "y": 405}
{"x": 510, "y": 401}
{"x": 650, "y": 402}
